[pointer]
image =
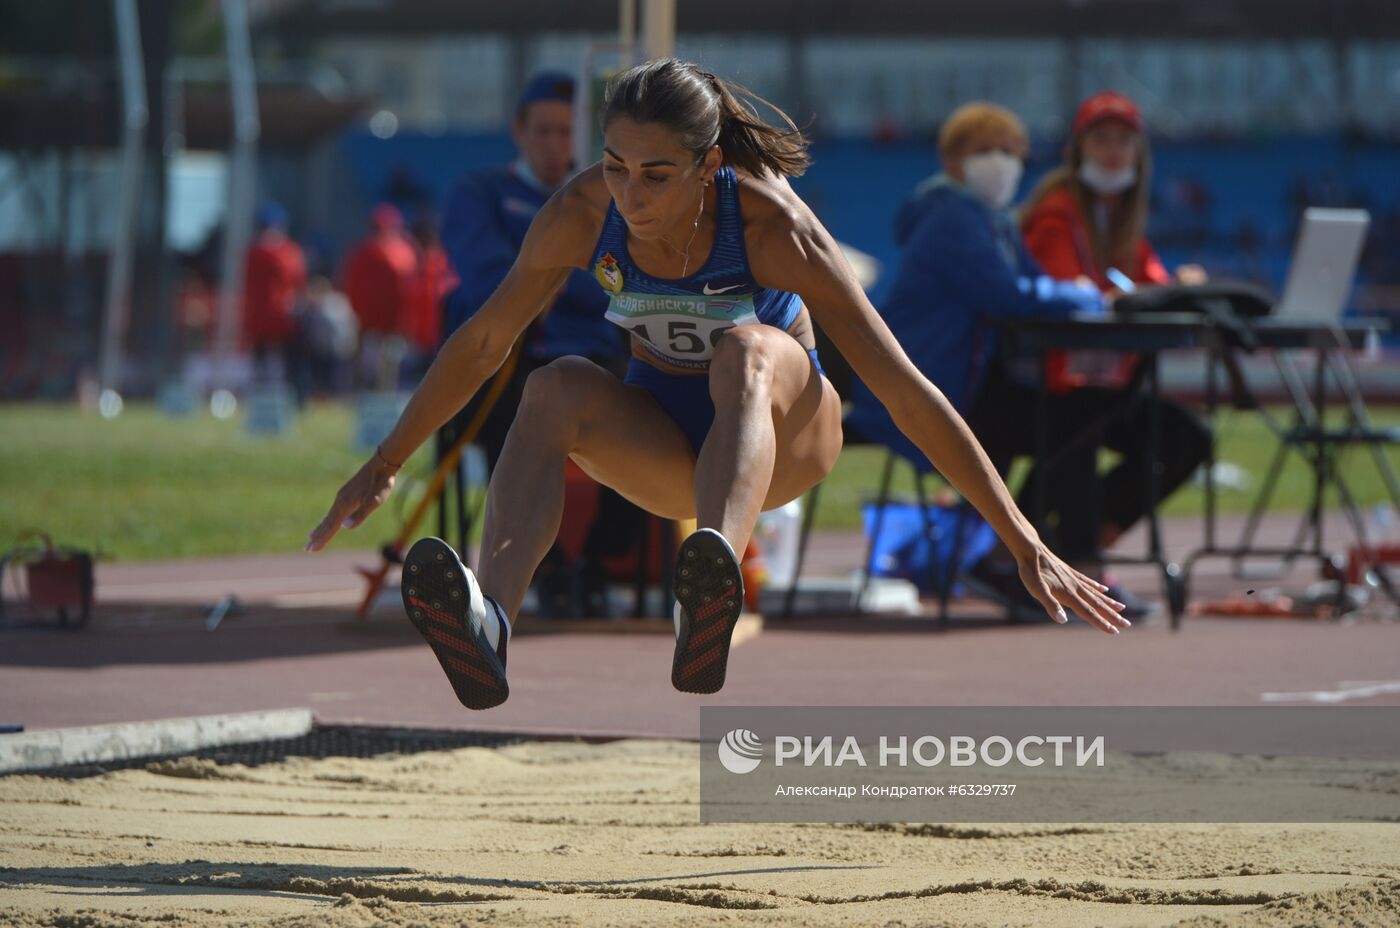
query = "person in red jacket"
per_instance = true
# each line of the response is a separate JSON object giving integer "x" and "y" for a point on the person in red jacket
{"x": 422, "y": 326}
{"x": 274, "y": 279}
{"x": 1087, "y": 220}
{"x": 1090, "y": 214}
{"x": 381, "y": 279}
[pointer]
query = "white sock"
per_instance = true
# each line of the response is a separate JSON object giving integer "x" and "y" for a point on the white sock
{"x": 493, "y": 629}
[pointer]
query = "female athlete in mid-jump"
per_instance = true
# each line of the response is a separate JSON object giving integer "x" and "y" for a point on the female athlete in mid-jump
{"x": 719, "y": 271}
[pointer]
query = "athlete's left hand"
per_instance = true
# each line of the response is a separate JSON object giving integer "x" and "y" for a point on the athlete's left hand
{"x": 361, "y": 495}
{"x": 1056, "y": 585}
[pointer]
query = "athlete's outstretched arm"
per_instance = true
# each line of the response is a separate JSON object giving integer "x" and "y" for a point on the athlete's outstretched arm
{"x": 798, "y": 255}
{"x": 474, "y": 352}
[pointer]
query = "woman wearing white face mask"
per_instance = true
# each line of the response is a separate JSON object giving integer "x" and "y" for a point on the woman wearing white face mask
{"x": 1090, "y": 215}
{"x": 963, "y": 269}
{"x": 1084, "y": 219}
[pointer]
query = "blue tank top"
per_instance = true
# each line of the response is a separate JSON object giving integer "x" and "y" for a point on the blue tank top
{"x": 680, "y": 321}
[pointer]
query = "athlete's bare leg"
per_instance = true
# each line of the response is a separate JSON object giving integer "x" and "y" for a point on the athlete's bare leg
{"x": 617, "y": 433}
{"x": 776, "y": 434}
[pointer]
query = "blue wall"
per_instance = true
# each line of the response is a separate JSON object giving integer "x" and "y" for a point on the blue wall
{"x": 856, "y": 186}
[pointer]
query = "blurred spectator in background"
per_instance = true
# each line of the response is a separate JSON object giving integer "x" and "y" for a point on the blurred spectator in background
{"x": 483, "y": 226}
{"x": 963, "y": 268}
{"x": 434, "y": 280}
{"x": 1090, "y": 214}
{"x": 194, "y": 313}
{"x": 273, "y": 281}
{"x": 380, "y": 280}
{"x": 1087, "y": 221}
{"x": 331, "y": 336}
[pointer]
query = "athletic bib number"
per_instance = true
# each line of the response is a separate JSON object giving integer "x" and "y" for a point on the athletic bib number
{"x": 682, "y": 330}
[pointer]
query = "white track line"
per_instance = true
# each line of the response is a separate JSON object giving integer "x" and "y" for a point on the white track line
{"x": 1361, "y": 691}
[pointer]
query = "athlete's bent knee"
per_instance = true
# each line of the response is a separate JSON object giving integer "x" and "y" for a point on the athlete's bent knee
{"x": 560, "y": 390}
{"x": 743, "y": 363}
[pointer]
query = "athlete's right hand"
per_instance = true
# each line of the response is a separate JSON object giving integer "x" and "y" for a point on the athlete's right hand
{"x": 361, "y": 495}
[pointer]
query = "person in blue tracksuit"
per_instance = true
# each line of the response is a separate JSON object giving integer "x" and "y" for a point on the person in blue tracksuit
{"x": 718, "y": 272}
{"x": 484, "y": 223}
{"x": 483, "y": 226}
{"x": 963, "y": 268}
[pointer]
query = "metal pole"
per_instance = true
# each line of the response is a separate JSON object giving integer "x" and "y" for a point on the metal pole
{"x": 242, "y": 180}
{"x": 134, "y": 116}
{"x": 626, "y": 22}
{"x": 659, "y": 28}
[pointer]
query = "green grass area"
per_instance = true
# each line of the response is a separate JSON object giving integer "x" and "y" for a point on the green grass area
{"x": 146, "y": 486}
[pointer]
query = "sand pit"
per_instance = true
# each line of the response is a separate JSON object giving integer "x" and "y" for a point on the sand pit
{"x": 608, "y": 834}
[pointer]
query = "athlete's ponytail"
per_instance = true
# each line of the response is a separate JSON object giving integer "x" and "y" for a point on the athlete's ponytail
{"x": 705, "y": 110}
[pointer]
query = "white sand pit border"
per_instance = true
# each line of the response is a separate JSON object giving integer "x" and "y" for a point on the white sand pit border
{"x": 97, "y": 744}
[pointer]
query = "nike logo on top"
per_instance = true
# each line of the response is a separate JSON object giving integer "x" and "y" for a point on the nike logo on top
{"x": 709, "y": 291}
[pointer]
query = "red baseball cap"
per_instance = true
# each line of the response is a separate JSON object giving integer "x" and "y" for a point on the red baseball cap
{"x": 1102, "y": 107}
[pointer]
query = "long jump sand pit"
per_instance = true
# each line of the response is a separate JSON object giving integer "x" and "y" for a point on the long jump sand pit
{"x": 572, "y": 833}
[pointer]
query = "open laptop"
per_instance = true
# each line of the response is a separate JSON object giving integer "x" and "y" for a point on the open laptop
{"x": 1324, "y": 264}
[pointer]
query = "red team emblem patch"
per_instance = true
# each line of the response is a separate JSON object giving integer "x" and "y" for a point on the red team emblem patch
{"x": 608, "y": 273}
